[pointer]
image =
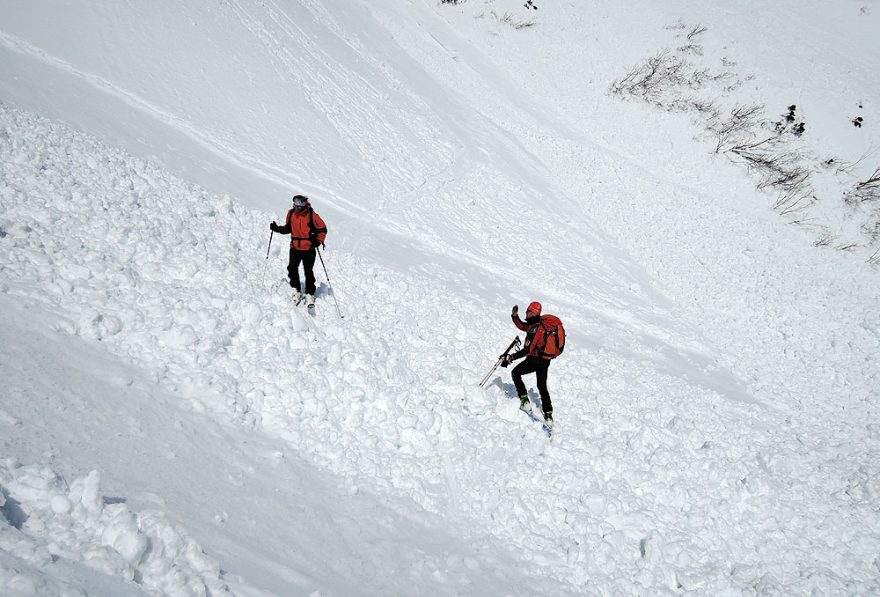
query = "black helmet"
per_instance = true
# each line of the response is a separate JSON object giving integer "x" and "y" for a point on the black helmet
{"x": 300, "y": 200}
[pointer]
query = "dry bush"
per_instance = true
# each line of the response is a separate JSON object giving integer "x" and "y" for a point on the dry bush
{"x": 680, "y": 80}
{"x": 651, "y": 80}
{"x": 740, "y": 125}
{"x": 865, "y": 191}
{"x": 824, "y": 241}
{"x": 706, "y": 107}
{"x": 779, "y": 169}
{"x": 660, "y": 79}
{"x": 690, "y": 47}
{"x": 514, "y": 22}
{"x": 695, "y": 31}
{"x": 875, "y": 258}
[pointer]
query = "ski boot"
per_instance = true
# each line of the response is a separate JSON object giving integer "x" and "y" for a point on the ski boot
{"x": 310, "y": 303}
{"x": 297, "y": 296}
{"x": 548, "y": 419}
{"x": 525, "y": 405}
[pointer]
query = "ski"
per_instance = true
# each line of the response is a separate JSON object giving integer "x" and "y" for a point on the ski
{"x": 302, "y": 299}
{"x": 548, "y": 431}
{"x": 310, "y": 321}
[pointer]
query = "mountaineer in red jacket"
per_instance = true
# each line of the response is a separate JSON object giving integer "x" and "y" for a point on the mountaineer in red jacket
{"x": 307, "y": 232}
{"x": 545, "y": 340}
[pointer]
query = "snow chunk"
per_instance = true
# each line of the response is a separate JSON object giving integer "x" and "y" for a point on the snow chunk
{"x": 79, "y": 523}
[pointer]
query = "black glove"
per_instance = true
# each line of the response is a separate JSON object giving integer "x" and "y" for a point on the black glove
{"x": 515, "y": 311}
{"x": 505, "y": 360}
{"x": 316, "y": 244}
{"x": 273, "y": 226}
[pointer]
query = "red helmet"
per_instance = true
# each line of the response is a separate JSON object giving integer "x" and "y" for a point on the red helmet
{"x": 534, "y": 309}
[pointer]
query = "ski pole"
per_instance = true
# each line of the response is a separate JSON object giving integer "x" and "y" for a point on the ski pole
{"x": 263, "y": 282}
{"x": 513, "y": 345}
{"x": 332, "y": 292}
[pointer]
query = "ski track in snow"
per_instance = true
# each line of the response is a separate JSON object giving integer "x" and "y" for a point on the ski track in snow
{"x": 210, "y": 142}
{"x": 653, "y": 481}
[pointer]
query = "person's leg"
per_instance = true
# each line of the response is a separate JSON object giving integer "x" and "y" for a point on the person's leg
{"x": 524, "y": 368}
{"x": 293, "y": 268}
{"x": 541, "y": 377}
{"x": 308, "y": 261}
{"x": 517, "y": 374}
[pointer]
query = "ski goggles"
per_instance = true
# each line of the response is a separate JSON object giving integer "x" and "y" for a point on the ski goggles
{"x": 300, "y": 201}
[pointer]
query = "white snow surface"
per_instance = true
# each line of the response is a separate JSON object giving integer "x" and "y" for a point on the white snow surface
{"x": 170, "y": 424}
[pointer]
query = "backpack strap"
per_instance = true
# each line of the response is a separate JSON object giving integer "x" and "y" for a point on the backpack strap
{"x": 548, "y": 331}
{"x": 314, "y": 229}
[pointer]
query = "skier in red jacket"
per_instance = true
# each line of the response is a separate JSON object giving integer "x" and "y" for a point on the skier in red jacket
{"x": 545, "y": 339}
{"x": 307, "y": 232}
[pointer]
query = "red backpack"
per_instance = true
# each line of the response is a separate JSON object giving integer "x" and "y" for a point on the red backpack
{"x": 554, "y": 336}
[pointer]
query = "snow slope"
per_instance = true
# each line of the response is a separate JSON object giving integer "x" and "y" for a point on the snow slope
{"x": 716, "y": 405}
{"x": 69, "y": 405}
{"x": 262, "y": 509}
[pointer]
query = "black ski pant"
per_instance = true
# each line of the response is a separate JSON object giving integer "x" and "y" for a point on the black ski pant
{"x": 539, "y": 367}
{"x": 307, "y": 258}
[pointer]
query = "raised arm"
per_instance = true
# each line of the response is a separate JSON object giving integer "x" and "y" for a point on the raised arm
{"x": 514, "y": 316}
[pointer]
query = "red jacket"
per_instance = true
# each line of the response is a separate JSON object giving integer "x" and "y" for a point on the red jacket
{"x": 306, "y": 229}
{"x": 535, "y": 337}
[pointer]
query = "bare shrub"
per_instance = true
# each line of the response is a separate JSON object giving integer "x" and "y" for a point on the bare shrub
{"x": 660, "y": 79}
{"x": 846, "y": 167}
{"x": 695, "y": 49}
{"x": 872, "y": 229}
{"x": 514, "y": 22}
{"x": 741, "y": 123}
{"x": 874, "y": 233}
{"x": 690, "y": 47}
{"x": 737, "y": 82}
{"x": 866, "y": 190}
{"x": 780, "y": 169}
{"x": 680, "y": 26}
{"x": 706, "y": 107}
{"x": 652, "y": 79}
{"x": 695, "y": 31}
{"x": 824, "y": 241}
{"x": 681, "y": 79}
{"x": 701, "y": 77}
